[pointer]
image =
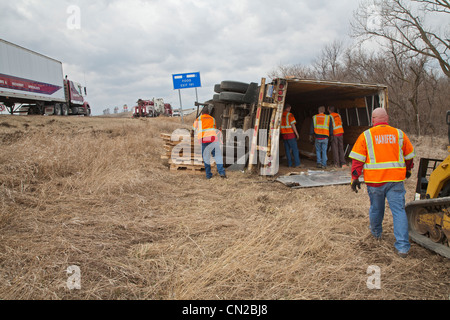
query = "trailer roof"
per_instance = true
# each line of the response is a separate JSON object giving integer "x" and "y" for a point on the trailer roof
{"x": 34, "y": 52}
{"x": 314, "y": 89}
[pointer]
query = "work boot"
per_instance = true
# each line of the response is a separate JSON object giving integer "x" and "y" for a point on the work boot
{"x": 402, "y": 254}
{"x": 224, "y": 176}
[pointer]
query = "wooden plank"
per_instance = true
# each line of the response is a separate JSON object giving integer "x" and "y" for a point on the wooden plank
{"x": 274, "y": 135}
{"x": 184, "y": 169}
{"x": 189, "y": 162}
{"x": 183, "y": 156}
{"x": 269, "y": 105}
{"x": 167, "y": 136}
{"x": 260, "y": 148}
{"x": 254, "y": 145}
{"x": 181, "y": 148}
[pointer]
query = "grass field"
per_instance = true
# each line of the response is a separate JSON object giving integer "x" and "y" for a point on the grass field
{"x": 94, "y": 193}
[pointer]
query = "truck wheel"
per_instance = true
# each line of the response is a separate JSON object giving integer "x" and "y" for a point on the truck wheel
{"x": 57, "y": 110}
{"x": 88, "y": 112}
{"x": 65, "y": 110}
{"x": 74, "y": 110}
{"x": 231, "y": 97}
{"x": 217, "y": 88}
{"x": 234, "y": 86}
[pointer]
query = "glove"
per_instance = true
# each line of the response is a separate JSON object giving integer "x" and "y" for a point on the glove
{"x": 355, "y": 184}
{"x": 408, "y": 174}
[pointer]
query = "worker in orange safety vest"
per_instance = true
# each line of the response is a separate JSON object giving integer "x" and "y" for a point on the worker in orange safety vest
{"x": 207, "y": 134}
{"x": 290, "y": 136}
{"x": 321, "y": 130}
{"x": 385, "y": 156}
{"x": 337, "y": 143}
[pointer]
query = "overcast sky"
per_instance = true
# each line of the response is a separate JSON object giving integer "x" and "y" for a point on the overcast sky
{"x": 126, "y": 50}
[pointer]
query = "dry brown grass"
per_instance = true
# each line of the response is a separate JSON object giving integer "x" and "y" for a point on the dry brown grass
{"x": 93, "y": 192}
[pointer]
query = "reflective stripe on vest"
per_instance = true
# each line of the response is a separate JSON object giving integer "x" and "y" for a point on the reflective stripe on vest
{"x": 208, "y": 131}
{"x": 337, "y": 124}
{"x": 286, "y": 127}
{"x": 322, "y": 124}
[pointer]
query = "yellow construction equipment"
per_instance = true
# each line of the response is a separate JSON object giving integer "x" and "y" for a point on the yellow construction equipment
{"x": 429, "y": 214}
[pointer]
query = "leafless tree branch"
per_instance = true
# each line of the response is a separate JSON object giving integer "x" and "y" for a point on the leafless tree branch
{"x": 397, "y": 21}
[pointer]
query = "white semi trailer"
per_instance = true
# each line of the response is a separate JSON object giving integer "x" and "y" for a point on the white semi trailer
{"x": 31, "y": 83}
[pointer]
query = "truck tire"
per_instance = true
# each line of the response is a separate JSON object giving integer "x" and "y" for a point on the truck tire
{"x": 217, "y": 88}
{"x": 231, "y": 97}
{"x": 65, "y": 110}
{"x": 57, "y": 110}
{"x": 234, "y": 86}
{"x": 88, "y": 112}
{"x": 74, "y": 110}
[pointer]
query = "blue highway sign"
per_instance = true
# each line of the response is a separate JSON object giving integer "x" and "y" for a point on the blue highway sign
{"x": 186, "y": 80}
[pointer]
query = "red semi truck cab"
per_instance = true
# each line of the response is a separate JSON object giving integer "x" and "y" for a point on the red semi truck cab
{"x": 148, "y": 108}
{"x": 75, "y": 102}
{"x": 168, "y": 109}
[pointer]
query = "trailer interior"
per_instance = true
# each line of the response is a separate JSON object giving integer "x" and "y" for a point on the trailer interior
{"x": 353, "y": 101}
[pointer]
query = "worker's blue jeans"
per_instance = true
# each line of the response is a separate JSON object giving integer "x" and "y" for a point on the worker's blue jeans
{"x": 291, "y": 145}
{"x": 321, "y": 151}
{"x": 394, "y": 192}
{"x": 212, "y": 148}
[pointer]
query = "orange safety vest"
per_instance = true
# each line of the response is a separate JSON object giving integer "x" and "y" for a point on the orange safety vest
{"x": 322, "y": 124}
{"x": 287, "y": 120}
{"x": 383, "y": 149}
{"x": 205, "y": 125}
{"x": 337, "y": 124}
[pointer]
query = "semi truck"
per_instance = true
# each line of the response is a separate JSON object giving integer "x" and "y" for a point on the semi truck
{"x": 152, "y": 108}
{"x": 32, "y": 83}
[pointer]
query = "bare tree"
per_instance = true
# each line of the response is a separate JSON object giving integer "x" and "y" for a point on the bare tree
{"x": 404, "y": 22}
{"x": 436, "y": 101}
{"x": 329, "y": 63}
{"x": 292, "y": 71}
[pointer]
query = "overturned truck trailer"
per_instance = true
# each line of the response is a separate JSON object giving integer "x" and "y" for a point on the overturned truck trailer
{"x": 255, "y": 112}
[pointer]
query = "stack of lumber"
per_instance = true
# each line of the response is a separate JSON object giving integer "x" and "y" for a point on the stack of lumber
{"x": 184, "y": 153}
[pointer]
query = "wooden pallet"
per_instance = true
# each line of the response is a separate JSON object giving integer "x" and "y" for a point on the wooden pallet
{"x": 191, "y": 169}
{"x": 192, "y": 163}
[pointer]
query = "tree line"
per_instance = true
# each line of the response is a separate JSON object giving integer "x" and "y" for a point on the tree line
{"x": 404, "y": 44}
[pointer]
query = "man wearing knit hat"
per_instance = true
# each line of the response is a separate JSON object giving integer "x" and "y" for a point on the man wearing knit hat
{"x": 385, "y": 155}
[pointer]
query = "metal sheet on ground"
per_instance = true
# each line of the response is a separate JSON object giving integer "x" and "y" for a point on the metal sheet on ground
{"x": 316, "y": 178}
